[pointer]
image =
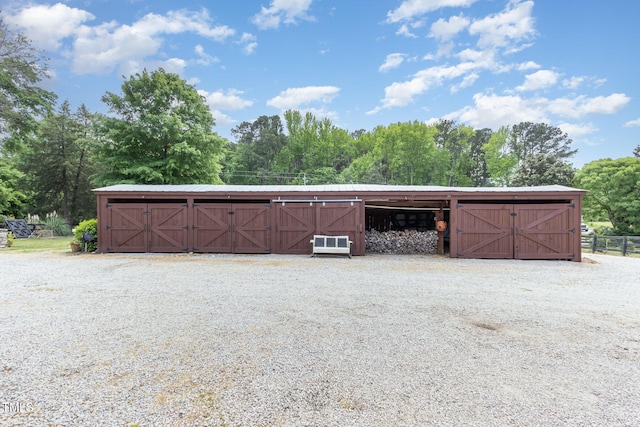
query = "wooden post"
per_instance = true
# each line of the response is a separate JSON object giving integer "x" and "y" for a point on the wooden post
{"x": 440, "y": 217}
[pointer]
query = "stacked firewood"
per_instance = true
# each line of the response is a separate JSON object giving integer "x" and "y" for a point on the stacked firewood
{"x": 402, "y": 242}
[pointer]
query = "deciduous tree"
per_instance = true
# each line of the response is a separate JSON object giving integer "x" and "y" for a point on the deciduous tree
{"x": 22, "y": 101}
{"x": 162, "y": 134}
{"x": 613, "y": 187}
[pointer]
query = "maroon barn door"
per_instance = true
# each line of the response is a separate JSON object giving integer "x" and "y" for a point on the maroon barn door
{"x": 232, "y": 228}
{"x": 520, "y": 231}
{"x": 544, "y": 231}
{"x": 251, "y": 228}
{"x": 126, "y": 229}
{"x": 341, "y": 219}
{"x": 297, "y": 222}
{"x": 168, "y": 228}
{"x": 141, "y": 227}
{"x": 295, "y": 227}
{"x": 212, "y": 228}
{"x": 483, "y": 231}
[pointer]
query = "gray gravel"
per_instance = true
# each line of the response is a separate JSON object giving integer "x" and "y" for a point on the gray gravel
{"x": 380, "y": 340}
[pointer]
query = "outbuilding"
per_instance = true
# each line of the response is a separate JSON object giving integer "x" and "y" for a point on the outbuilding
{"x": 522, "y": 223}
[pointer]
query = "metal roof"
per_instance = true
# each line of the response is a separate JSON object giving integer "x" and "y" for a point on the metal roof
{"x": 347, "y": 188}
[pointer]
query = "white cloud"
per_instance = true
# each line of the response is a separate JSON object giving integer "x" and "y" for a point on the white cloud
{"x": 400, "y": 94}
{"x": 529, "y": 65}
{"x": 485, "y": 59}
{"x": 575, "y": 130}
{"x": 171, "y": 65}
{"x": 287, "y": 11}
{"x": 111, "y": 46}
{"x": 205, "y": 58}
{"x": 467, "y": 81}
{"x": 632, "y": 123}
{"x": 103, "y": 48}
{"x": 492, "y": 111}
{"x": 231, "y": 100}
{"x": 293, "y": 98}
{"x": 222, "y": 119}
{"x": 512, "y": 25}
{"x": 411, "y": 9}
{"x": 404, "y": 31}
{"x": 573, "y": 82}
{"x": 48, "y": 25}
{"x": 446, "y": 30}
{"x": 250, "y": 43}
{"x": 393, "y": 60}
{"x": 581, "y": 106}
{"x": 539, "y": 80}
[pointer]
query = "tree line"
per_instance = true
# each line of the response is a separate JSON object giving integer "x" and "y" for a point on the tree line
{"x": 159, "y": 130}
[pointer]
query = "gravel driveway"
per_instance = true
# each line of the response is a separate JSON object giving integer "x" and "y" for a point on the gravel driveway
{"x": 380, "y": 340}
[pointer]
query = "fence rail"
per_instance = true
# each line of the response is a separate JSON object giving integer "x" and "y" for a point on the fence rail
{"x": 627, "y": 245}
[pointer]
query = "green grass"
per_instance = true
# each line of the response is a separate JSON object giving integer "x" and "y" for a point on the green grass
{"x": 43, "y": 244}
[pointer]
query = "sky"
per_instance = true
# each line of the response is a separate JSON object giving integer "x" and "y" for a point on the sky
{"x": 361, "y": 63}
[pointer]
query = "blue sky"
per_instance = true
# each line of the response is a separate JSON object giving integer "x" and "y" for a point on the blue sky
{"x": 484, "y": 63}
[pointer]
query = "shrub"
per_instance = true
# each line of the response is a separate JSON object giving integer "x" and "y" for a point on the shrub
{"x": 10, "y": 238}
{"x": 57, "y": 224}
{"x": 89, "y": 226}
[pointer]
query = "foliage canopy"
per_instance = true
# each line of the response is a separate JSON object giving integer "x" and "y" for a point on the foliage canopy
{"x": 614, "y": 189}
{"x": 162, "y": 134}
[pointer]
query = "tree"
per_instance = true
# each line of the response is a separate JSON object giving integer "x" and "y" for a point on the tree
{"x": 454, "y": 139}
{"x": 21, "y": 100}
{"x": 314, "y": 145}
{"x": 528, "y": 139}
{"x": 59, "y": 165}
{"x": 12, "y": 199}
{"x": 258, "y": 146}
{"x": 477, "y": 169}
{"x": 636, "y": 152}
{"x": 614, "y": 188}
{"x": 542, "y": 169}
{"x": 162, "y": 135}
{"x": 499, "y": 159}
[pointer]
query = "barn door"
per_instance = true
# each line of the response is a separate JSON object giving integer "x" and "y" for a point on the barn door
{"x": 484, "y": 231}
{"x": 544, "y": 231}
{"x": 340, "y": 219}
{"x": 251, "y": 228}
{"x": 212, "y": 227}
{"x": 168, "y": 227}
{"x": 127, "y": 229}
{"x": 521, "y": 231}
{"x": 295, "y": 227}
{"x": 232, "y": 228}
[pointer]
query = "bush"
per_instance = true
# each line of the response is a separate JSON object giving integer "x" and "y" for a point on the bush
{"x": 57, "y": 224}
{"x": 10, "y": 238}
{"x": 89, "y": 226}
